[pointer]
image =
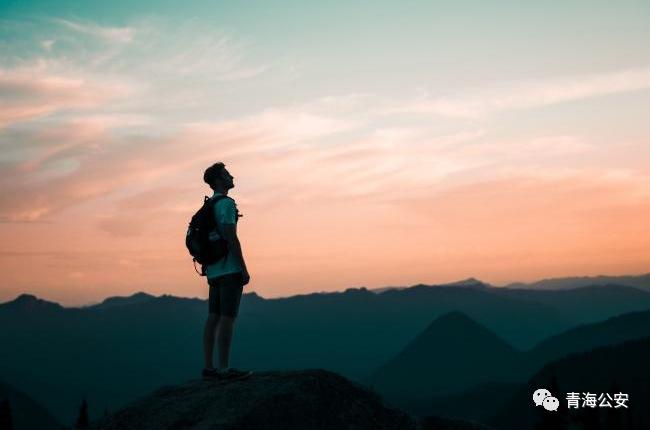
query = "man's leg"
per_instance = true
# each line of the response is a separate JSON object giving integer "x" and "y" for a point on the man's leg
{"x": 209, "y": 331}
{"x": 224, "y": 339}
{"x": 231, "y": 291}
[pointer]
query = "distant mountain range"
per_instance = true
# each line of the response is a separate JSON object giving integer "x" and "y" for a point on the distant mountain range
{"x": 122, "y": 348}
{"x": 454, "y": 354}
{"x": 637, "y": 281}
{"x": 123, "y": 301}
{"x": 468, "y": 283}
{"x": 641, "y": 282}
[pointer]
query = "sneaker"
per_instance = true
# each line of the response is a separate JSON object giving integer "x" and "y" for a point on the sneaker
{"x": 231, "y": 373}
{"x": 211, "y": 373}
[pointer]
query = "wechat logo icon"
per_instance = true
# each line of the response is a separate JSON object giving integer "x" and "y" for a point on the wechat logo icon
{"x": 543, "y": 397}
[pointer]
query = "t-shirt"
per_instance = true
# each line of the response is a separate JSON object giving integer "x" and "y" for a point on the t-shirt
{"x": 225, "y": 211}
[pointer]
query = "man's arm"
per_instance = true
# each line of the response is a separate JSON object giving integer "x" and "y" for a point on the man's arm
{"x": 230, "y": 236}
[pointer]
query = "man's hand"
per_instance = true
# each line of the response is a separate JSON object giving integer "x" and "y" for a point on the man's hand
{"x": 246, "y": 276}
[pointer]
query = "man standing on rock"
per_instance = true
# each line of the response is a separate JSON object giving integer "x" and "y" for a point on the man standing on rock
{"x": 226, "y": 279}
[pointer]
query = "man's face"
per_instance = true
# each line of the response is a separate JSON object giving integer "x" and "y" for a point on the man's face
{"x": 227, "y": 179}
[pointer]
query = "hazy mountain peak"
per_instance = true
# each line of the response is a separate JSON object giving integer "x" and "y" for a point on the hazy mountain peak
{"x": 362, "y": 291}
{"x": 456, "y": 322}
{"x": 452, "y": 353}
{"x": 454, "y": 333}
{"x": 253, "y": 296}
{"x": 30, "y": 302}
{"x": 25, "y": 298}
{"x": 465, "y": 283}
{"x": 469, "y": 282}
{"x": 138, "y": 297}
{"x": 453, "y": 317}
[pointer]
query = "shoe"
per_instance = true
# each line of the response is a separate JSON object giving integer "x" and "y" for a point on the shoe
{"x": 211, "y": 373}
{"x": 231, "y": 373}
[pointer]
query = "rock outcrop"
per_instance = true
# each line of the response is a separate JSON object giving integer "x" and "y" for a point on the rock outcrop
{"x": 288, "y": 400}
{"x": 310, "y": 399}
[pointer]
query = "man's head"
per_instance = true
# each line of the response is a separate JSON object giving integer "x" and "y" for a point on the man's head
{"x": 218, "y": 178}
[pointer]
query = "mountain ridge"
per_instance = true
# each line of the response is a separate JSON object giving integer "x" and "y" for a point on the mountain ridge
{"x": 471, "y": 282}
{"x": 641, "y": 281}
{"x": 511, "y": 366}
{"x": 350, "y": 333}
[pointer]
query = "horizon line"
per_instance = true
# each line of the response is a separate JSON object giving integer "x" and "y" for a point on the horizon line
{"x": 378, "y": 290}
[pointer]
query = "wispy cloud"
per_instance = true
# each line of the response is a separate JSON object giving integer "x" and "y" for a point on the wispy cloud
{"x": 482, "y": 102}
{"x": 152, "y": 65}
{"x": 30, "y": 92}
{"x": 111, "y": 34}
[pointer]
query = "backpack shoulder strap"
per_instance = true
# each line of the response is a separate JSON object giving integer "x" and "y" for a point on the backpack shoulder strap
{"x": 217, "y": 198}
{"x": 213, "y": 202}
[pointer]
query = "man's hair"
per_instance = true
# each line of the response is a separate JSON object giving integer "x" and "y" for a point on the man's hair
{"x": 213, "y": 173}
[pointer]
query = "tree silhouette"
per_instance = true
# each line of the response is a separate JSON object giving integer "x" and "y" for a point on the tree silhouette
{"x": 5, "y": 415}
{"x": 83, "y": 421}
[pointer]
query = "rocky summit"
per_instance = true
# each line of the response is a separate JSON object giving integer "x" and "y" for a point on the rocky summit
{"x": 310, "y": 399}
{"x": 286, "y": 400}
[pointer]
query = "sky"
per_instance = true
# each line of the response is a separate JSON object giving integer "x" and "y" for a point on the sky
{"x": 372, "y": 144}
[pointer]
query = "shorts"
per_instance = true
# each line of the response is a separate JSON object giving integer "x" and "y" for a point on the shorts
{"x": 225, "y": 294}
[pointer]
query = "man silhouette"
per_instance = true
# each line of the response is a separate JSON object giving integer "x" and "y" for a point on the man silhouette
{"x": 226, "y": 279}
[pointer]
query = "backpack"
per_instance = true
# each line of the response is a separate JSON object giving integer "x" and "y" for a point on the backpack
{"x": 203, "y": 250}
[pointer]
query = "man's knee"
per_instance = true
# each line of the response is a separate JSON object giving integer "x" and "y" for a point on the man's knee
{"x": 227, "y": 319}
{"x": 213, "y": 319}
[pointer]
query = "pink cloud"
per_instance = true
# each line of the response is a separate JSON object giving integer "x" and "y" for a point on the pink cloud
{"x": 31, "y": 92}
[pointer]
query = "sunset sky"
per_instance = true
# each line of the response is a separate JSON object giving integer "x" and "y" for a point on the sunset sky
{"x": 372, "y": 143}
